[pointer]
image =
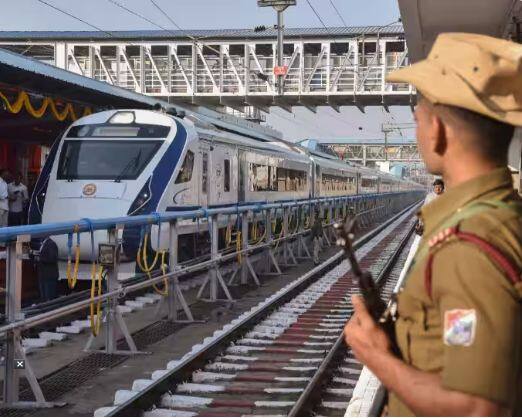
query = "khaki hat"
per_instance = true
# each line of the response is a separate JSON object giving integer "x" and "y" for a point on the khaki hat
{"x": 475, "y": 72}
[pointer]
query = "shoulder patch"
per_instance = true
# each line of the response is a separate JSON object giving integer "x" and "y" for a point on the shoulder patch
{"x": 441, "y": 236}
{"x": 459, "y": 327}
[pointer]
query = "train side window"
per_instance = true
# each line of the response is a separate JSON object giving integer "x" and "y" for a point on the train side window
{"x": 289, "y": 180}
{"x": 259, "y": 177}
{"x": 204, "y": 172}
{"x": 185, "y": 172}
{"x": 226, "y": 187}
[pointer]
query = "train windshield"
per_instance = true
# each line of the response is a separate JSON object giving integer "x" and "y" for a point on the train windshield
{"x": 105, "y": 159}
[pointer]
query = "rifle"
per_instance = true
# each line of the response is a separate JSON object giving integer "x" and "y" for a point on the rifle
{"x": 380, "y": 311}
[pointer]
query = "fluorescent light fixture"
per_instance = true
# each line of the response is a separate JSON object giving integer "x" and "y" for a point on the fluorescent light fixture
{"x": 122, "y": 118}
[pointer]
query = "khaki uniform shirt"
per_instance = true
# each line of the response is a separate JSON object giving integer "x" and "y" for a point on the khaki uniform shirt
{"x": 470, "y": 331}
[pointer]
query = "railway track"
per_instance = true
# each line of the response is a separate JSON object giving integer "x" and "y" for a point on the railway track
{"x": 281, "y": 358}
{"x": 331, "y": 388}
{"x": 63, "y": 328}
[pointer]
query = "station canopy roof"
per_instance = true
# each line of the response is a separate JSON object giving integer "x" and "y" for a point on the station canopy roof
{"x": 38, "y": 101}
{"x": 38, "y": 77}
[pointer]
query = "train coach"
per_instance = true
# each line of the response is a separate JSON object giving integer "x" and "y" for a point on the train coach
{"x": 134, "y": 162}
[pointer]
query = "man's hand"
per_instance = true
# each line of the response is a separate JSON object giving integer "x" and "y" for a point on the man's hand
{"x": 421, "y": 391}
{"x": 364, "y": 336}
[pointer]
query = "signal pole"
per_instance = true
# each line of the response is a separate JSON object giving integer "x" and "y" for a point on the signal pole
{"x": 280, "y": 6}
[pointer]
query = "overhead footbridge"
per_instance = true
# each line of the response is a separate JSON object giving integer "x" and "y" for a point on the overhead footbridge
{"x": 235, "y": 68}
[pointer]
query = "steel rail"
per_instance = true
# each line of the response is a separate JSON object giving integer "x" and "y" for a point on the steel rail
{"x": 313, "y": 391}
{"x": 49, "y": 315}
{"x": 150, "y": 396}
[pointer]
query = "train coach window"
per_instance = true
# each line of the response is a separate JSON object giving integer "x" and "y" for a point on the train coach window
{"x": 338, "y": 183}
{"x": 366, "y": 182}
{"x": 185, "y": 172}
{"x": 265, "y": 178}
{"x": 226, "y": 187}
{"x": 259, "y": 177}
{"x": 289, "y": 180}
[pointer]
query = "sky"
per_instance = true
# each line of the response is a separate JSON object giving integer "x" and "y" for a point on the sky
{"x": 230, "y": 14}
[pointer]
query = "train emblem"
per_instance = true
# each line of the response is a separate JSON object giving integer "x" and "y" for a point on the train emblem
{"x": 89, "y": 189}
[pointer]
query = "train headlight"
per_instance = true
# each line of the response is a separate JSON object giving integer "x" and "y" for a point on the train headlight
{"x": 123, "y": 118}
{"x": 139, "y": 206}
{"x": 142, "y": 199}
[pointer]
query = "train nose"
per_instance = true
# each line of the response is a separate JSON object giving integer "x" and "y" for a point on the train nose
{"x": 78, "y": 200}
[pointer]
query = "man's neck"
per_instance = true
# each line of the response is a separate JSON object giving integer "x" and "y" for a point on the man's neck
{"x": 456, "y": 174}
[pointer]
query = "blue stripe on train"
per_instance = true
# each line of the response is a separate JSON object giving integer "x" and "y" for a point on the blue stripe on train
{"x": 161, "y": 177}
{"x": 35, "y": 214}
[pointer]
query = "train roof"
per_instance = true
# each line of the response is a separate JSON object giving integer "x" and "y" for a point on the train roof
{"x": 214, "y": 133}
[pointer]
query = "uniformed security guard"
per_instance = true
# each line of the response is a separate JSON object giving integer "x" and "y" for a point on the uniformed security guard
{"x": 459, "y": 325}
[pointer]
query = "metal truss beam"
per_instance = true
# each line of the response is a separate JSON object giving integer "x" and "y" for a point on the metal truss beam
{"x": 321, "y": 71}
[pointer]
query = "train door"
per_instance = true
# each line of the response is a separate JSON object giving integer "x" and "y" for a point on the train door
{"x": 204, "y": 170}
{"x": 242, "y": 175}
{"x": 223, "y": 188}
{"x": 318, "y": 179}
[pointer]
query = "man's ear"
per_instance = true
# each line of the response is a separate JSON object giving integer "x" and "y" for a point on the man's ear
{"x": 439, "y": 135}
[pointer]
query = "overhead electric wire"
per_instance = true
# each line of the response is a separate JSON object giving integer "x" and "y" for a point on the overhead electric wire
{"x": 121, "y": 6}
{"x": 191, "y": 37}
{"x": 338, "y": 13}
{"x": 347, "y": 57}
{"x": 171, "y": 20}
{"x": 197, "y": 44}
{"x": 318, "y": 16}
{"x": 52, "y": 6}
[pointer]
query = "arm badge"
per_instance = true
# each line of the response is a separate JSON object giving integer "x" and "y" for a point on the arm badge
{"x": 459, "y": 327}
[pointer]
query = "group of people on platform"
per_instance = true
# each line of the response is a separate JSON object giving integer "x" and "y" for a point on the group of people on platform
{"x": 14, "y": 199}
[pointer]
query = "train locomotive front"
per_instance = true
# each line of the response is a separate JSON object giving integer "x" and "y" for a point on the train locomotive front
{"x": 113, "y": 164}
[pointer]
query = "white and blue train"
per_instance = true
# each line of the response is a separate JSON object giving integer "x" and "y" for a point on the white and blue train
{"x": 132, "y": 162}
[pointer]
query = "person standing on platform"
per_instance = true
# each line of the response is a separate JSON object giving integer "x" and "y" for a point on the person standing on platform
{"x": 459, "y": 324}
{"x": 438, "y": 189}
{"x": 18, "y": 198}
{"x": 317, "y": 236}
{"x": 4, "y": 198}
{"x": 47, "y": 267}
